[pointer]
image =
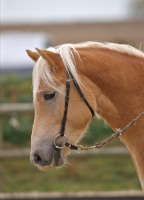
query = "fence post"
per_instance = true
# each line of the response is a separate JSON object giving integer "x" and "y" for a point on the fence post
{"x": 1, "y": 167}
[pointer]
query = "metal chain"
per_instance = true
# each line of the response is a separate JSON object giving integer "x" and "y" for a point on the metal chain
{"x": 112, "y": 137}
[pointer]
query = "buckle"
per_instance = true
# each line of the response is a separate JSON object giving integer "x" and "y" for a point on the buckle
{"x": 56, "y": 138}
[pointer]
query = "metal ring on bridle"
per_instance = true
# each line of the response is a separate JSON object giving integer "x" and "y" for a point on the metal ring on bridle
{"x": 57, "y": 146}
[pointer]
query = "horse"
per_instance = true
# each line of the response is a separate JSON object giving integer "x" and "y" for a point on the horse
{"x": 74, "y": 82}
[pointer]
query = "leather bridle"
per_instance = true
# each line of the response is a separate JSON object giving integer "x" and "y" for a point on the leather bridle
{"x": 98, "y": 145}
{"x": 63, "y": 124}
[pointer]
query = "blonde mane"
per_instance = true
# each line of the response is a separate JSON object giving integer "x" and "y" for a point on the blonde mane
{"x": 121, "y": 48}
{"x": 42, "y": 69}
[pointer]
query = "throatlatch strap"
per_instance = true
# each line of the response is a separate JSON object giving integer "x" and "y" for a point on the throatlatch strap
{"x": 81, "y": 94}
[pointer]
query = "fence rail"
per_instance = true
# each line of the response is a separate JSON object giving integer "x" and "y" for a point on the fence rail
{"x": 18, "y": 153}
{"x": 28, "y": 107}
{"x": 15, "y": 107}
{"x": 123, "y": 195}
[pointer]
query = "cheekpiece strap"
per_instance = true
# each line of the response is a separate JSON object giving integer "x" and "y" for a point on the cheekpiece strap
{"x": 70, "y": 75}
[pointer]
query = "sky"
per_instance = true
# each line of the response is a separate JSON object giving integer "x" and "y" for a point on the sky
{"x": 37, "y": 11}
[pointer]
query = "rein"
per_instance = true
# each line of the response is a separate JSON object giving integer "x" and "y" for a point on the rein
{"x": 98, "y": 145}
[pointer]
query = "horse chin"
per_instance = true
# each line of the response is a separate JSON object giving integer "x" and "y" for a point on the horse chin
{"x": 48, "y": 167}
{"x": 45, "y": 168}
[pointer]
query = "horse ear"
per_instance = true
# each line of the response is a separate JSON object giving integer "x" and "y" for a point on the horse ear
{"x": 33, "y": 55}
{"x": 52, "y": 58}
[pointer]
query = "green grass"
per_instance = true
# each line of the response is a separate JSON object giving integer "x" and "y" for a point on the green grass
{"x": 82, "y": 174}
{"x": 103, "y": 173}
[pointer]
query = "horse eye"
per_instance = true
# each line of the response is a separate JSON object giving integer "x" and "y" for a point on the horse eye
{"x": 48, "y": 96}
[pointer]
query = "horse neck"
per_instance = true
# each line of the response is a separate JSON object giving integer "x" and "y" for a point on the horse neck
{"x": 118, "y": 82}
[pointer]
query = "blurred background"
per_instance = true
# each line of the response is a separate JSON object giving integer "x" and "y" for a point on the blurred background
{"x": 26, "y": 24}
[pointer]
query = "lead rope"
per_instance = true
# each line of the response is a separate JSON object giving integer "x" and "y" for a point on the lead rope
{"x": 98, "y": 145}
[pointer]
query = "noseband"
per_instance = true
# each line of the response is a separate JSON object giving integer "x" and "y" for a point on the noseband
{"x": 63, "y": 124}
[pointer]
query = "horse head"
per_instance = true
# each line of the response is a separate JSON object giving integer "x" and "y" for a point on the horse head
{"x": 104, "y": 78}
{"x": 49, "y": 96}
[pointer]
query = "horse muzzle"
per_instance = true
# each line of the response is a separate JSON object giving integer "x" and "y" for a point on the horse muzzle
{"x": 47, "y": 157}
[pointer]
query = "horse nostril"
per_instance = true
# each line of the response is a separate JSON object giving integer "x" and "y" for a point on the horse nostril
{"x": 42, "y": 158}
{"x": 38, "y": 159}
